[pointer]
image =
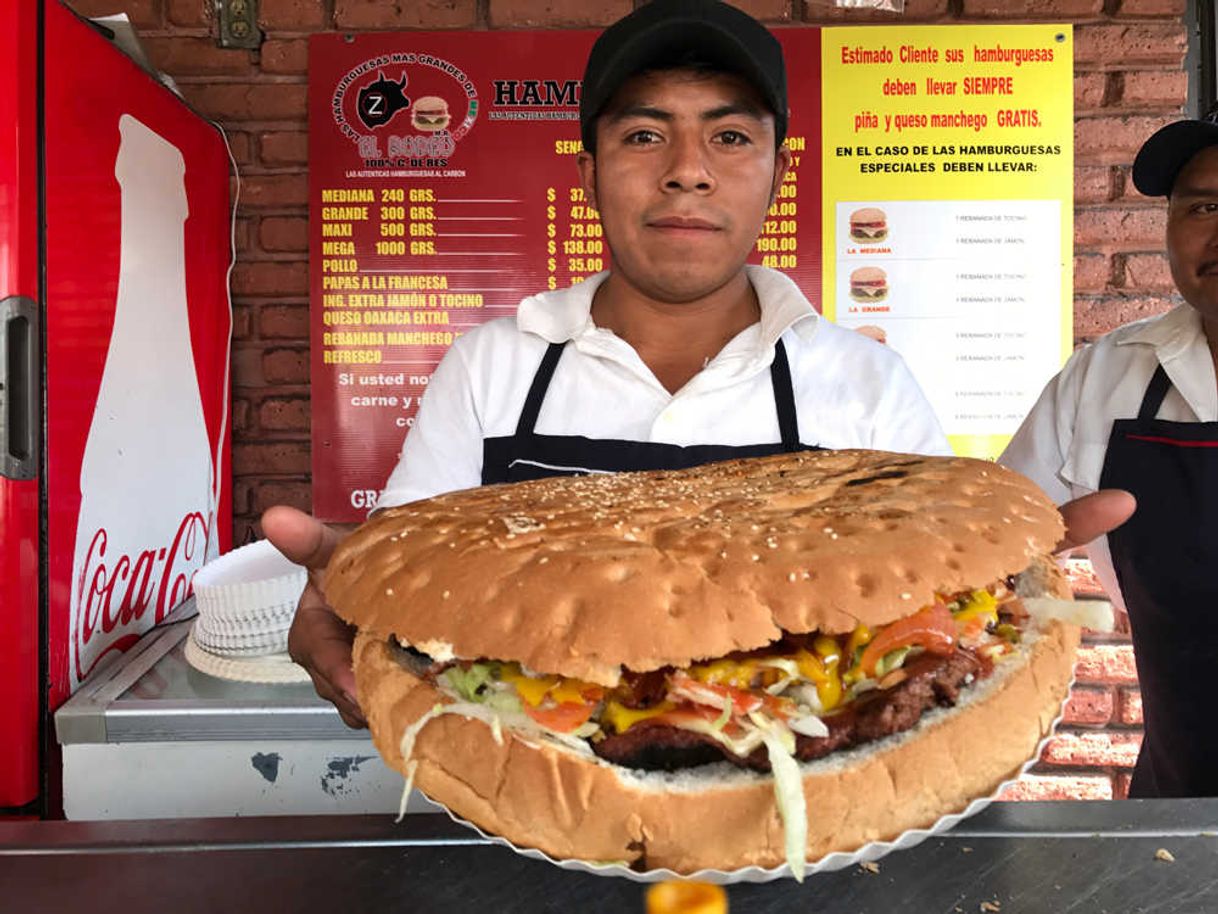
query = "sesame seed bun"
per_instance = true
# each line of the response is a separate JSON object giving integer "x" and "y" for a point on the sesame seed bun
{"x": 582, "y": 576}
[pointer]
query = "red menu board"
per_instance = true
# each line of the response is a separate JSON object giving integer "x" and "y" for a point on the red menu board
{"x": 442, "y": 191}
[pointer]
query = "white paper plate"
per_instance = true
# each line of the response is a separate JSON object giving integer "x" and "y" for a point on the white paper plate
{"x": 267, "y": 642}
{"x": 268, "y": 623}
{"x": 252, "y": 583}
{"x": 827, "y": 864}
{"x": 257, "y": 650}
{"x": 265, "y": 668}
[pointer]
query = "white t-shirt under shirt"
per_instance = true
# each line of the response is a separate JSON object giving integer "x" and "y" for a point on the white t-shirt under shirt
{"x": 1062, "y": 443}
{"x": 850, "y": 391}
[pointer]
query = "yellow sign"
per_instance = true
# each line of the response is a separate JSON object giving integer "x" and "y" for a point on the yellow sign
{"x": 948, "y": 210}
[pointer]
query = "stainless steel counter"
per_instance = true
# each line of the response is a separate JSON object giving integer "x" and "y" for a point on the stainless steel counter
{"x": 150, "y": 736}
{"x": 151, "y": 694}
{"x": 1015, "y": 858}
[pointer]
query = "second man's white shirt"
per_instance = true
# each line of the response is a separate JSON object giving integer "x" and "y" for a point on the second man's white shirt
{"x": 1062, "y": 443}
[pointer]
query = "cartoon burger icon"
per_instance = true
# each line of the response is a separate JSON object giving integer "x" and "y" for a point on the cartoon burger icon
{"x": 869, "y": 284}
{"x": 868, "y": 225}
{"x": 430, "y": 114}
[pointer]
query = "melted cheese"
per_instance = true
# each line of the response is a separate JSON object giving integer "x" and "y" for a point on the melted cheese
{"x": 531, "y": 690}
{"x": 535, "y": 689}
{"x": 622, "y": 718}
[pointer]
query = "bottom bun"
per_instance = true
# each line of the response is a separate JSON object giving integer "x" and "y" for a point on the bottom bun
{"x": 543, "y": 795}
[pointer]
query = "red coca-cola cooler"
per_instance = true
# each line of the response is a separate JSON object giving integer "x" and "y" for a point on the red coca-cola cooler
{"x": 115, "y": 247}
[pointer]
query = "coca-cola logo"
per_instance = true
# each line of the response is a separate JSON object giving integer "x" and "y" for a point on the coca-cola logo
{"x": 114, "y": 591}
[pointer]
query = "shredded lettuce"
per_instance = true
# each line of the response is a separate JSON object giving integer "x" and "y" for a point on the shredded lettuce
{"x": 505, "y": 702}
{"x": 520, "y": 724}
{"x": 407, "y": 747}
{"x": 741, "y": 747}
{"x": 807, "y": 696}
{"x": 893, "y": 660}
{"x": 808, "y": 725}
{"x": 765, "y": 725}
{"x": 1093, "y": 614}
{"x": 789, "y": 795}
{"x": 467, "y": 682}
{"x": 479, "y": 685}
{"x": 586, "y": 730}
{"x": 780, "y": 686}
{"x": 788, "y": 666}
{"x": 863, "y": 685}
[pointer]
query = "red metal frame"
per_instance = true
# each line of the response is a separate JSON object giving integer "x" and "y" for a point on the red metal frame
{"x": 63, "y": 94}
{"x": 90, "y": 87}
{"x": 19, "y": 520}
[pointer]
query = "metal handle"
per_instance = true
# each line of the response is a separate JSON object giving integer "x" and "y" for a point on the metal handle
{"x": 20, "y": 376}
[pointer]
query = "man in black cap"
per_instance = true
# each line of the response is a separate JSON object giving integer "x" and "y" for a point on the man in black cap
{"x": 680, "y": 354}
{"x": 1138, "y": 411}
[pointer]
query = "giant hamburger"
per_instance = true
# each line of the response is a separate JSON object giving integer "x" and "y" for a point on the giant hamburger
{"x": 747, "y": 663}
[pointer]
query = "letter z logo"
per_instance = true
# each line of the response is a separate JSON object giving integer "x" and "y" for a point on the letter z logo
{"x": 379, "y": 101}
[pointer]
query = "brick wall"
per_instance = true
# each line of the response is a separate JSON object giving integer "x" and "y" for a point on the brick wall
{"x": 1129, "y": 79}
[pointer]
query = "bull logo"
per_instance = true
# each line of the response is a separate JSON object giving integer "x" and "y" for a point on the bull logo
{"x": 379, "y": 101}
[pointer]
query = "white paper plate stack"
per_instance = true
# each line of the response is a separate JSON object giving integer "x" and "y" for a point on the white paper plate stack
{"x": 246, "y": 600}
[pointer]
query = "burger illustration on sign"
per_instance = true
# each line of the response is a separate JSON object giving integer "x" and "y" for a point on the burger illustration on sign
{"x": 869, "y": 284}
{"x": 868, "y": 225}
{"x": 430, "y": 114}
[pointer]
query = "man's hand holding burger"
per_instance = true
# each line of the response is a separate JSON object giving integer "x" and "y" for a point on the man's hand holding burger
{"x": 319, "y": 640}
{"x": 1091, "y": 516}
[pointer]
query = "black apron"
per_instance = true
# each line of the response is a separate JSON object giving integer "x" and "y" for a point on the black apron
{"x": 527, "y": 455}
{"x": 1166, "y": 561}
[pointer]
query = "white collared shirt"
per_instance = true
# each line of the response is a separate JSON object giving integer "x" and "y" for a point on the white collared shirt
{"x": 849, "y": 390}
{"x": 1062, "y": 443}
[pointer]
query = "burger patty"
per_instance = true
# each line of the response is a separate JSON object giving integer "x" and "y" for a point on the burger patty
{"x": 931, "y": 681}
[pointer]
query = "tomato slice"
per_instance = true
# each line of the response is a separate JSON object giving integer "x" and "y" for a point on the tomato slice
{"x": 931, "y": 628}
{"x": 562, "y": 717}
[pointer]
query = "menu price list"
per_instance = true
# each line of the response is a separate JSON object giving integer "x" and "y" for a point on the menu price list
{"x": 966, "y": 292}
{"x": 778, "y": 244}
{"x": 574, "y": 241}
{"x": 948, "y": 164}
{"x": 444, "y": 188}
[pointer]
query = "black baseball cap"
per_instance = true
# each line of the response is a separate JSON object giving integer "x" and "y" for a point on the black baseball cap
{"x": 1170, "y": 148}
{"x": 664, "y": 32}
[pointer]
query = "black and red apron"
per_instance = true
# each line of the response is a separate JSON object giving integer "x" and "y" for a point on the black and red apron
{"x": 1166, "y": 561}
{"x": 528, "y": 455}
